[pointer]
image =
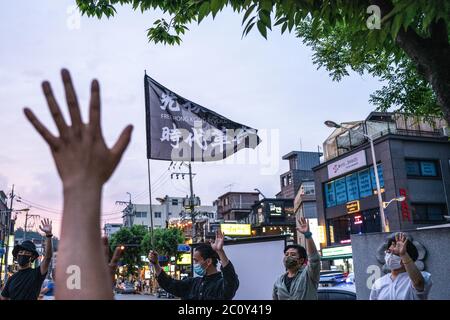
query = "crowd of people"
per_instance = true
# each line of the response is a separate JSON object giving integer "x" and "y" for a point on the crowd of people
{"x": 84, "y": 163}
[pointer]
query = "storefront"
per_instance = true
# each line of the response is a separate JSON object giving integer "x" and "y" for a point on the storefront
{"x": 337, "y": 258}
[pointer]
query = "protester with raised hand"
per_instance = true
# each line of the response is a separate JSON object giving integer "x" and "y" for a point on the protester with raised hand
{"x": 210, "y": 284}
{"x": 26, "y": 283}
{"x": 84, "y": 163}
{"x": 301, "y": 279}
{"x": 405, "y": 281}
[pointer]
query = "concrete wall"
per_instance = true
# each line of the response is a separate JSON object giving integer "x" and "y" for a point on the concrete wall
{"x": 436, "y": 260}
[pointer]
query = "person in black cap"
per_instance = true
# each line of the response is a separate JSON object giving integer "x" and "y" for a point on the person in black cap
{"x": 26, "y": 283}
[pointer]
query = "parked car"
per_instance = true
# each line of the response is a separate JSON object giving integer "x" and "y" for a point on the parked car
{"x": 331, "y": 278}
{"x": 339, "y": 292}
{"x": 126, "y": 288}
{"x": 163, "y": 293}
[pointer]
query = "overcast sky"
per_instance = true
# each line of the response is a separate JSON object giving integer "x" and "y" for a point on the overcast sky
{"x": 268, "y": 85}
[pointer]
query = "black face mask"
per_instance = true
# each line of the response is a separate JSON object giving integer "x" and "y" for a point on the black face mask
{"x": 23, "y": 260}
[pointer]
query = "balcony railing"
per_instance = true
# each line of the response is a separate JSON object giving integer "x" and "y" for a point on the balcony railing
{"x": 401, "y": 132}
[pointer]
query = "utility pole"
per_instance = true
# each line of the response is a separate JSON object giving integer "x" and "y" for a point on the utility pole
{"x": 128, "y": 211}
{"x": 26, "y": 225}
{"x": 7, "y": 233}
{"x": 192, "y": 197}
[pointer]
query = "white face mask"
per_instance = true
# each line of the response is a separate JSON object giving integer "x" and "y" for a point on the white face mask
{"x": 393, "y": 261}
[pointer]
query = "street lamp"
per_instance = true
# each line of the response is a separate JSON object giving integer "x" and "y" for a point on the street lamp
{"x": 256, "y": 189}
{"x": 332, "y": 124}
{"x": 399, "y": 199}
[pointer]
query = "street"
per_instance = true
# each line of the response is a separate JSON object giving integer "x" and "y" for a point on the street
{"x": 119, "y": 296}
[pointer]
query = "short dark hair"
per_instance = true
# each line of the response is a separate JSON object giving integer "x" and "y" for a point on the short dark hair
{"x": 300, "y": 250}
{"x": 410, "y": 247}
{"x": 207, "y": 252}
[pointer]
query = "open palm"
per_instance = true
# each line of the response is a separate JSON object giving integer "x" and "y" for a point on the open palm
{"x": 400, "y": 243}
{"x": 303, "y": 225}
{"x": 217, "y": 245}
{"x": 46, "y": 226}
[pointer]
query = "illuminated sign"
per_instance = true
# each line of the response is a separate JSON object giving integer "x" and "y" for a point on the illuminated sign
{"x": 321, "y": 232}
{"x": 275, "y": 210}
{"x": 406, "y": 214}
{"x": 353, "y": 206}
{"x": 233, "y": 229}
{"x": 358, "y": 219}
{"x": 184, "y": 248}
{"x": 337, "y": 252}
{"x": 332, "y": 234}
{"x": 185, "y": 258}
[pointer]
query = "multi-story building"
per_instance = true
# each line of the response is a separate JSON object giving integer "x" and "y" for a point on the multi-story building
{"x": 273, "y": 216}
{"x": 235, "y": 206}
{"x": 305, "y": 206}
{"x": 111, "y": 228}
{"x": 413, "y": 159}
{"x": 169, "y": 209}
{"x": 300, "y": 169}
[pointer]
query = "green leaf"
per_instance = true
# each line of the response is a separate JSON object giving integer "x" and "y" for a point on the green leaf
{"x": 249, "y": 11}
{"x": 262, "y": 29}
{"x": 396, "y": 25}
{"x": 267, "y": 5}
{"x": 280, "y": 21}
{"x": 264, "y": 16}
{"x": 248, "y": 29}
{"x": 203, "y": 11}
{"x": 283, "y": 28}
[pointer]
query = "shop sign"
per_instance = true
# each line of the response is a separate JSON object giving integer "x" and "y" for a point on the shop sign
{"x": 347, "y": 164}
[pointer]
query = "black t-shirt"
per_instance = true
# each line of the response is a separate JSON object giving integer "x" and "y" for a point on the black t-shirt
{"x": 288, "y": 281}
{"x": 24, "y": 285}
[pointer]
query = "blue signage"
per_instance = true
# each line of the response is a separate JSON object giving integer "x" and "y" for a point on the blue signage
{"x": 428, "y": 168}
{"x": 330, "y": 196}
{"x": 365, "y": 186}
{"x": 380, "y": 176}
{"x": 184, "y": 248}
{"x": 341, "y": 191}
{"x": 352, "y": 187}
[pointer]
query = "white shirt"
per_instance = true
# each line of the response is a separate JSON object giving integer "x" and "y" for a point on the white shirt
{"x": 400, "y": 289}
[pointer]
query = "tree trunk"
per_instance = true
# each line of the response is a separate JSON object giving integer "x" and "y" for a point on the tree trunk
{"x": 430, "y": 55}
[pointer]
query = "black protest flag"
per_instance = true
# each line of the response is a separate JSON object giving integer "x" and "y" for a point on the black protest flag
{"x": 181, "y": 130}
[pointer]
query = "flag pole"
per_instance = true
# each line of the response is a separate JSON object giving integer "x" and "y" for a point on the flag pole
{"x": 148, "y": 118}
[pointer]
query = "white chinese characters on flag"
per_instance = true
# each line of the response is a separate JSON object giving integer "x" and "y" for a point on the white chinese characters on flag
{"x": 181, "y": 130}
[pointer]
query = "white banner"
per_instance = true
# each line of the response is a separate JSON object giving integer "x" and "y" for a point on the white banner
{"x": 347, "y": 164}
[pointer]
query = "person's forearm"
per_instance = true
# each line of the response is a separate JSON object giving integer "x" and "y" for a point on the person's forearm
{"x": 310, "y": 247}
{"x": 48, "y": 249}
{"x": 82, "y": 267}
{"x": 223, "y": 258}
{"x": 414, "y": 273}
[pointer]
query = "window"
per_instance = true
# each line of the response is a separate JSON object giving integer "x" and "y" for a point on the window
{"x": 307, "y": 189}
{"x": 157, "y": 214}
{"x": 352, "y": 187}
{"x": 174, "y": 202}
{"x": 141, "y": 214}
{"x": 421, "y": 168}
{"x": 289, "y": 179}
{"x": 170, "y": 213}
{"x": 226, "y": 201}
{"x": 343, "y": 227}
{"x": 412, "y": 168}
{"x": 424, "y": 213}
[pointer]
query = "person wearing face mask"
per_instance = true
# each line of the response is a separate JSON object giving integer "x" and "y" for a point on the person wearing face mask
{"x": 301, "y": 280}
{"x": 405, "y": 281}
{"x": 209, "y": 284}
{"x": 26, "y": 283}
